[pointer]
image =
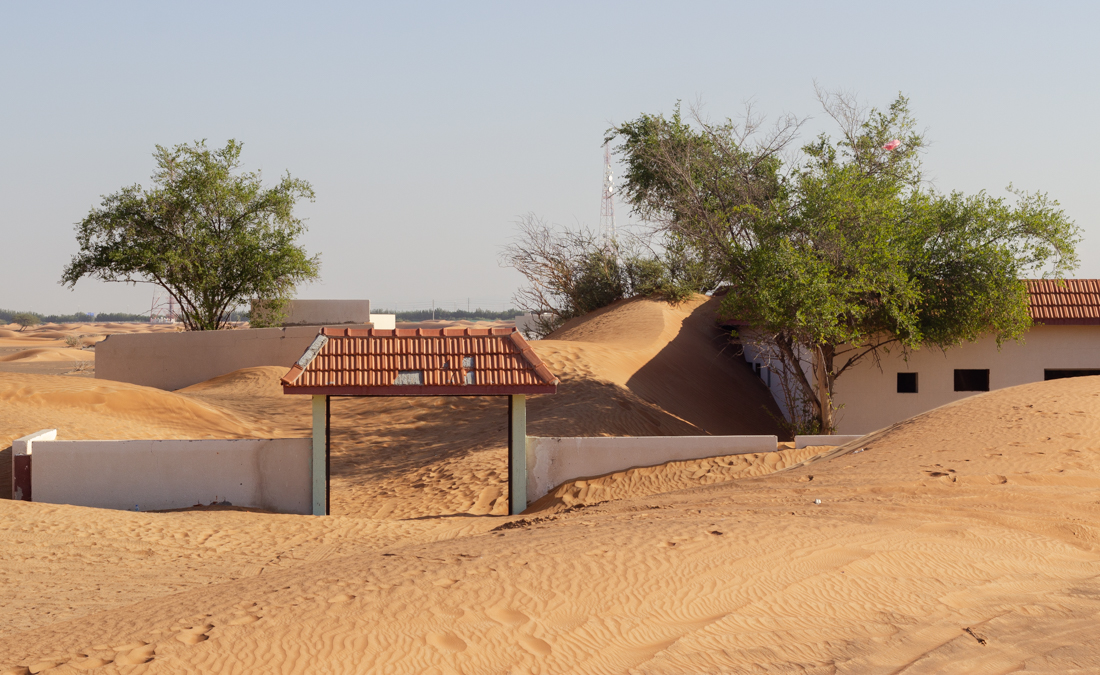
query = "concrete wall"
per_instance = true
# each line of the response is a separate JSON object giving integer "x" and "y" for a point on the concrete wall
{"x": 384, "y": 321}
{"x": 175, "y": 360}
{"x": 158, "y": 475}
{"x": 21, "y": 449}
{"x": 526, "y": 325}
{"x": 326, "y": 312}
{"x": 871, "y": 401}
{"x": 835, "y": 440}
{"x": 320, "y": 312}
{"x": 770, "y": 369}
{"x": 552, "y": 461}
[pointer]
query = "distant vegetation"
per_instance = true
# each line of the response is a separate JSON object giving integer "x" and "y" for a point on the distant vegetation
{"x": 9, "y": 316}
{"x": 457, "y": 315}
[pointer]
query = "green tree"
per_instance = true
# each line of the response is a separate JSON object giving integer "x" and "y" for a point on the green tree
{"x": 25, "y": 319}
{"x": 848, "y": 253}
{"x": 211, "y": 235}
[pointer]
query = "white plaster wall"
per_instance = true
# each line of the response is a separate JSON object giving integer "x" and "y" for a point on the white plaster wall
{"x": 170, "y": 474}
{"x": 552, "y": 461}
{"x": 869, "y": 395}
{"x": 384, "y": 321}
{"x": 771, "y": 369}
{"x": 25, "y": 445}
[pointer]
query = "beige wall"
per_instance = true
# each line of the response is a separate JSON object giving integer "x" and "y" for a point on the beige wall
{"x": 176, "y": 360}
{"x": 321, "y": 312}
{"x": 870, "y": 397}
{"x": 171, "y": 474}
{"x": 552, "y": 461}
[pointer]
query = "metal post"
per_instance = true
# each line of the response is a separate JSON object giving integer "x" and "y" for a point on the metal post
{"x": 328, "y": 455}
{"x": 517, "y": 453}
{"x": 320, "y": 452}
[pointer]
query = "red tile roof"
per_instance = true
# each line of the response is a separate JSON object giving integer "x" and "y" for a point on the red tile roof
{"x": 429, "y": 362}
{"x": 1065, "y": 302}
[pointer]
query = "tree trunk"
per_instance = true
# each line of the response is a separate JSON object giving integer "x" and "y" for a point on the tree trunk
{"x": 787, "y": 349}
{"x": 821, "y": 380}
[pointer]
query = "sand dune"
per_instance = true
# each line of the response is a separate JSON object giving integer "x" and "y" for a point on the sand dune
{"x": 83, "y": 408}
{"x": 47, "y": 354}
{"x": 897, "y": 570}
{"x": 962, "y": 541}
{"x": 670, "y": 356}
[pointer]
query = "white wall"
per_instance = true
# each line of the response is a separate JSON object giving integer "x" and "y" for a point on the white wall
{"x": 384, "y": 321}
{"x": 770, "y": 369}
{"x": 871, "y": 402}
{"x": 155, "y": 475}
{"x": 552, "y": 461}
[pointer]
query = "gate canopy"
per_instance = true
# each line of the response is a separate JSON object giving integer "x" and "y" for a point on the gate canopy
{"x": 419, "y": 362}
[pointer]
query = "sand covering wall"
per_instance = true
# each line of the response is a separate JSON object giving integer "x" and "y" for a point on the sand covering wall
{"x": 963, "y": 541}
{"x": 408, "y": 457}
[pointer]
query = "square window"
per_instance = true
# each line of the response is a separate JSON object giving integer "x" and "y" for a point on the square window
{"x": 467, "y": 362}
{"x": 907, "y": 383}
{"x": 972, "y": 380}
{"x": 1050, "y": 374}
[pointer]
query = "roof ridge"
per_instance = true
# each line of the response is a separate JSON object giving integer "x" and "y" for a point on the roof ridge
{"x": 351, "y": 361}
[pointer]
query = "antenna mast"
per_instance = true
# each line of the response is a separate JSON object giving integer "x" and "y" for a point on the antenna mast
{"x": 607, "y": 203}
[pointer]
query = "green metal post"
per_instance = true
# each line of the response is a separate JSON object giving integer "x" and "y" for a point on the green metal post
{"x": 517, "y": 453}
{"x": 318, "y": 465}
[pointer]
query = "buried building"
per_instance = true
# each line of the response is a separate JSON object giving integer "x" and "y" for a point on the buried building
{"x": 1063, "y": 342}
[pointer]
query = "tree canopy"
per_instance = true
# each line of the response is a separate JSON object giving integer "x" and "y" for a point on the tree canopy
{"x": 846, "y": 251}
{"x": 210, "y": 234}
{"x": 25, "y": 320}
{"x": 571, "y": 272}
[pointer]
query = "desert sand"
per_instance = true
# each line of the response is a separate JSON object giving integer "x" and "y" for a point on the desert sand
{"x": 961, "y": 541}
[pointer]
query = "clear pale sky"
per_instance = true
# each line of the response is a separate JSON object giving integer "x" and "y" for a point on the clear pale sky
{"x": 427, "y": 128}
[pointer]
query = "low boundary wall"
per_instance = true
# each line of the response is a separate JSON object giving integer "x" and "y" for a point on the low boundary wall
{"x": 835, "y": 439}
{"x": 155, "y": 475}
{"x": 552, "y": 461}
{"x": 175, "y": 360}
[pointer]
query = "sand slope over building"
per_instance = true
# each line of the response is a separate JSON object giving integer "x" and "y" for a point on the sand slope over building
{"x": 671, "y": 356}
{"x": 639, "y": 368}
{"x": 963, "y": 541}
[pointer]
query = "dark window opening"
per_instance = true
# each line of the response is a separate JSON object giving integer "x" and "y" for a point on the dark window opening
{"x": 907, "y": 383}
{"x": 972, "y": 380}
{"x": 1050, "y": 374}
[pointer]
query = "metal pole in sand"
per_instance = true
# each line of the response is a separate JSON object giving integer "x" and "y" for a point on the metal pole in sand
{"x": 517, "y": 453}
{"x": 318, "y": 464}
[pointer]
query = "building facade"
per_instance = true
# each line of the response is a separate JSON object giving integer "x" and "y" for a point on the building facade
{"x": 1064, "y": 342}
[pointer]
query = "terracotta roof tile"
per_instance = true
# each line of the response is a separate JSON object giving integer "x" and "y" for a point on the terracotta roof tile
{"x": 1065, "y": 302}
{"x": 419, "y": 362}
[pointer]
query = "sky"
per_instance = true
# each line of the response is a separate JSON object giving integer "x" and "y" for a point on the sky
{"x": 427, "y": 129}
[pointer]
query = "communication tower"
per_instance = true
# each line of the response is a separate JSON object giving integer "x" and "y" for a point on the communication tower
{"x": 163, "y": 308}
{"x": 607, "y": 203}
